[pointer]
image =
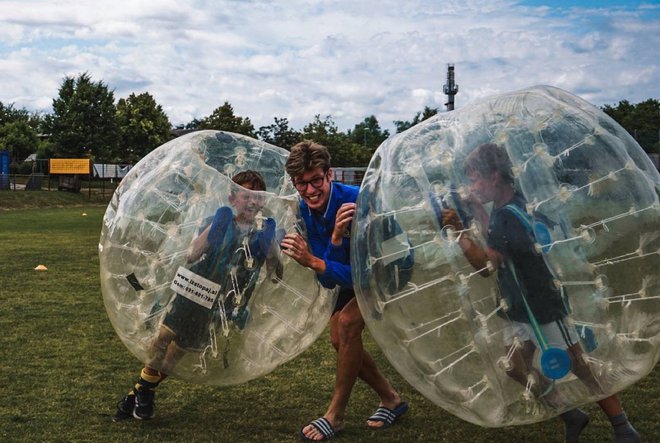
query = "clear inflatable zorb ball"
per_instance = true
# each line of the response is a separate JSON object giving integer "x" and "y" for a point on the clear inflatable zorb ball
{"x": 191, "y": 272}
{"x": 567, "y": 313}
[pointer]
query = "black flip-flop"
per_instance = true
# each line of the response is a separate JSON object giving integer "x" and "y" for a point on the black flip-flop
{"x": 323, "y": 426}
{"x": 388, "y": 416}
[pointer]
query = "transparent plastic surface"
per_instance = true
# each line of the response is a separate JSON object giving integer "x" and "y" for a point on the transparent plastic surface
{"x": 267, "y": 308}
{"x": 441, "y": 323}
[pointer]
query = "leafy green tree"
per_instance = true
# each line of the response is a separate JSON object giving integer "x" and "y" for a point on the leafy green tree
{"x": 622, "y": 112}
{"x": 279, "y": 134}
{"x": 84, "y": 121}
{"x": 642, "y": 120}
{"x": 9, "y": 114}
{"x": 344, "y": 152}
{"x": 20, "y": 138}
{"x": 368, "y": 134}
{"x": 45, "y": 149}
{"x": 419, "y": 117}
{"x": 223, "y": 119}
{"x": 323, "y": 131}
{"x": 143, "y": 126}
{"x": 18, "y": 132}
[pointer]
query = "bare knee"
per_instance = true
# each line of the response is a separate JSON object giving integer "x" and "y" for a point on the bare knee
{"x": 349, "y": 326}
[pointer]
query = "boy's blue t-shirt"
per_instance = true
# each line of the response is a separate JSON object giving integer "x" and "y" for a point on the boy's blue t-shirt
{"x": 224, "y": 241}
{"x": 319, "y": 232}
{"x": 508, "y": 236}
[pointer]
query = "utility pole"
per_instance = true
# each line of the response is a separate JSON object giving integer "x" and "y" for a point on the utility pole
{"x": 451, "y": 88}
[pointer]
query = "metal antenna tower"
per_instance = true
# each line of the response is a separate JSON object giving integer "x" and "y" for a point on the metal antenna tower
{"x": 450, "y": 88}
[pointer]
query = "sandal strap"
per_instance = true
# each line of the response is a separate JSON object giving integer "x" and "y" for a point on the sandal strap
{"x": 383, "y": 414}
{"x": 324, "y": 427}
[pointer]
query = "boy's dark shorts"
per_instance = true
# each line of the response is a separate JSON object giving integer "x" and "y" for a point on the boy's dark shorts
{"x": 190, "y": 322}
{"x": 345, "y": 295}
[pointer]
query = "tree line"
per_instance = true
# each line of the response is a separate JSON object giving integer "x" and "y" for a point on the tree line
{"x": 86, "y": 122}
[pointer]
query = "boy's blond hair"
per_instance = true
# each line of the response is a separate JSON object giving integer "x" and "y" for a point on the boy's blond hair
{"x": 307, "y": 155}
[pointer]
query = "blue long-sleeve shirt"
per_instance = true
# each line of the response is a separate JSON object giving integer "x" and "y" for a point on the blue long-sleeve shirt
{"x": 319, "y": 233}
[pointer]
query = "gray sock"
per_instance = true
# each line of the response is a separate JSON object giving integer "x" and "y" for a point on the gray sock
{"x": 575, "y": 421}
{"x": 623, "y": 430}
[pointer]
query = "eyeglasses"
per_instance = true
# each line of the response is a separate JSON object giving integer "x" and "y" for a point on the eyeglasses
{"x": 316, "y": 183}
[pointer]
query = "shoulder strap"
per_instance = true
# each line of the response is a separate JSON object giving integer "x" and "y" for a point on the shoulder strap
{"x": 524, "y": 217}
{"x": 536, "y": 327}
{"x": 537, "y": 229}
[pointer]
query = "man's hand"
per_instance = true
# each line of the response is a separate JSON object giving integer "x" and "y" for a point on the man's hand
{"x": 295, "y": 246}
{"x": 342, "y": 222}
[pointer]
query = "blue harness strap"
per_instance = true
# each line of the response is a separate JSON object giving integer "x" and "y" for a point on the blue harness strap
{"x": 555, "y": 362}
{"x": 537, "y": 230}
{"x": 540, "y": 233}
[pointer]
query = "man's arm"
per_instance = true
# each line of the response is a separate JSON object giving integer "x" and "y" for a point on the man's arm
{"x": 475, "y": 254}
{"x": 295, "y": 246}
{"x": 221, "y": 220}
{"x": 330, "y": 273}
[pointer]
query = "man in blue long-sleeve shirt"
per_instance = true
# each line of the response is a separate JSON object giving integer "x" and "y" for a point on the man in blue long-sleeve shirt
{"x": 327, "y": 209}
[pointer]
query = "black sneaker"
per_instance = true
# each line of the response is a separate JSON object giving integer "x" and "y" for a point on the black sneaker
{"x": 144, "y": 404}
{"x": 125, "y": 408}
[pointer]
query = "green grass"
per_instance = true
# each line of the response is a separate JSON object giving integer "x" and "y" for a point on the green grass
{"x": 10, "y": 200}
{"x": 62, "y": 368}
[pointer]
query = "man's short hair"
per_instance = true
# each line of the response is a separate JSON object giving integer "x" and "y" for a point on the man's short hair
{"x": 305, "y": 156}
{"x": 489, "y": 158}
{"x": 250, "y": 177}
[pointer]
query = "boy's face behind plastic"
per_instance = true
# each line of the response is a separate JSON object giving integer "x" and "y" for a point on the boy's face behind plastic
{"x": 246, "y": 204}
{"x": 483, "y": 188}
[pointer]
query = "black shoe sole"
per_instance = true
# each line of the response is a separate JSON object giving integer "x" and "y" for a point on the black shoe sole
{"x": 122, "y": 416}
{"x": 139, "y": 417}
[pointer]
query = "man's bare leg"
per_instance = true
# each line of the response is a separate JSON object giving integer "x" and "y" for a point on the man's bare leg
{"x": 353, "y": 361}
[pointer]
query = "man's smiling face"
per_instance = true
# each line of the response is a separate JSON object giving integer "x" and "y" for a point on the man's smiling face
{"x": 314, "y": 187}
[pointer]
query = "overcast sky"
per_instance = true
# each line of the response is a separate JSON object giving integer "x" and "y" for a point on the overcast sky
{"x": 344, "y": 58}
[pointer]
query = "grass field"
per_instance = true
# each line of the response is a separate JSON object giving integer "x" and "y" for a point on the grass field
{"x": 10, "y": 200}
{"x": 62, "y": 368}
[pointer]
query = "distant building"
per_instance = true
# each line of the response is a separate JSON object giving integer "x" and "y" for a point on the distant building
{"x": 178, "y": 132}
{"x": 349, "y": 176}
{"x": 102, "y": 170}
